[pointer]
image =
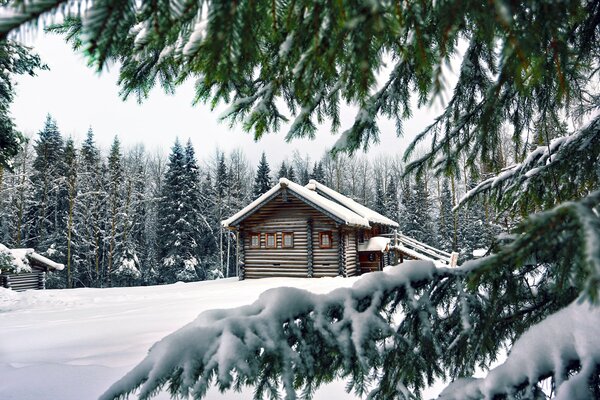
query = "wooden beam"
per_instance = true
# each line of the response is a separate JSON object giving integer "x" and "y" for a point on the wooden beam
{"x": 309, "y": 248}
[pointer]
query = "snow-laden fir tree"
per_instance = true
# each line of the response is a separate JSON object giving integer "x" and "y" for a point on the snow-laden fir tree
{"x": 417, "y": 220}
{"x": 47, "y": 166}
{"x": 392, "y": 207}
{"x": 262, "y": 180}
{"x": 221, "y": 196}
{"x": 16, "y": 192}
{"x": 115, "y": 206}
{"x": 446, "y": 220}
{"x": 131, "y": 250}
{"x": 15, "y": 59}
{"x": 175, "y": 221}
{"x": 317, "y": 172}
{"x": 379, "y": 201}
{"x": 283, "y": 171}
{"x": 71, "y": 182}
{"x": 89, "y": 215}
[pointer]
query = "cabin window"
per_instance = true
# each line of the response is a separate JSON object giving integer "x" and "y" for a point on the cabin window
{"x": 287, "y": 239}
{"x": 325, "y": 240}
{"x": 271, "y": 240}
{"x": 255, "y": 240}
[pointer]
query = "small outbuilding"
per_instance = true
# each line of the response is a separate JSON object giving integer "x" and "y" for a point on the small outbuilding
{"x": 307, "y": 231}
{"x": 22, "y": 269}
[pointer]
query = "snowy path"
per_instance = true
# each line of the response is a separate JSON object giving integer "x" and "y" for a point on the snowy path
{"x": 72, "y": 344}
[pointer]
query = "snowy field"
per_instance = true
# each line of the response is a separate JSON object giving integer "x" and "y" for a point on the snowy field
{"x": 73, "y": 344}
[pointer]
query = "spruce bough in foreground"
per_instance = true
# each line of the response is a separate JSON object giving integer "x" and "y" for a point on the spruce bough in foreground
{"x": 400, "y": 328}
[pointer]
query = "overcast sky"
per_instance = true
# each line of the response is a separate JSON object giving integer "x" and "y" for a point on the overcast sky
{"x": 78, "y": 97}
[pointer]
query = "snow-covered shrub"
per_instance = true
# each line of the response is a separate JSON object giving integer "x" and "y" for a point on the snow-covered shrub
{"x": 6, "y": 260}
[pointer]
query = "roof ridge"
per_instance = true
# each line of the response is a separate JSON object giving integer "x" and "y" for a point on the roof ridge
{"x": 351, "y": 204}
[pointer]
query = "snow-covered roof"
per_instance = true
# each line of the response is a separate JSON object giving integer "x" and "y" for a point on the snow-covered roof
{"x": 347, "y": 216}
{"x": 40, "y": 259}
{"x": 372, "y": 216}
{"x": 22, "y": 258}
{"x": 376, "y": 243}
{"x": 478, "y": 253}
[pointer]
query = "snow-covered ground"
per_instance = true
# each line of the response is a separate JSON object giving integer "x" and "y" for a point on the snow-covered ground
{"x": 73, "y": 344}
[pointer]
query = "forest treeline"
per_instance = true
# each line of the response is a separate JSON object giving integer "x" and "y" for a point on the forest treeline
{"x": 136, "y": 218}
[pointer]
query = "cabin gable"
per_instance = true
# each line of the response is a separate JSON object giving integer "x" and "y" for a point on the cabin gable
{"x": 291, "y": 216}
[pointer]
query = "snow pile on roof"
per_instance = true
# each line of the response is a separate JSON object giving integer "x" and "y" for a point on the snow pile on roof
{"x": 478, "y": 253}
{"x": 15, "y": 260}
{"x": 346, "y": 215}
{"x": 573, "y": 333}
{"x": 45, "y": 261}
{"x": 347, "y": 202}
{"x": 376, "y": 243}
{"x": 20, "y": 260}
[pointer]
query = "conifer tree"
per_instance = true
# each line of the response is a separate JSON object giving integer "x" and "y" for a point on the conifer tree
{"x": 317, "y": 173}
{"x": 283, "y": 171}
{"x": 130, "y": 251}
{"x": 192, "y": 211}
{"x": 48, "y": 206}
{"x": 177, "y": 245}
{"x": 291, "y": 174}
{"x": 417, "y": 221}
{"x": 446, "y": 220}
{"x": 392, "y": 208}
{"x": 89, "y": 216}
{"x": 72, "y": 189}
{"x": 380, "y": 200}
{"x": 262, "y": 181}
{"x": 15, "y": 59}
{"x": 115, "y": 204}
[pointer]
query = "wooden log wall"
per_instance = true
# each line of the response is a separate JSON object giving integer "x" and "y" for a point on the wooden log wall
{"x": 280, "y": 216}
{"x": 310, "y": 248}
{"x": 352, "y": 267}
{"x": 241, "y": 256}
{"x": 25, "y": 280}
{"x": 341, "y": 253}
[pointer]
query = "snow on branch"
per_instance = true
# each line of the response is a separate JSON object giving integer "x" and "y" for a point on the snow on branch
{"x": 548, "y": 171}
{"x": 286, "y": 336}
{"x": 551, "y": 348}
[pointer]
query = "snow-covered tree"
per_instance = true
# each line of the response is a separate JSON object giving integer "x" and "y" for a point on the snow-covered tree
{"x": 89, "y": 216}
{"x": 317, "y": 172}
{"x": 283, "y": 171}
{"x": 15, "y": 59}
{"x": 72, "y": 189}
{"x": 115, "y": 205}
{"x": 417, "y": 219}
{"x": 130, "y": 252}
{"x": 47, "y": 167}
{"x": 262, "y": 181}
{"x": 392, "y": 207}
{"x": 446, "y": 219}
{"x": 379, "y": 202}
{"x": 176, "y": 220}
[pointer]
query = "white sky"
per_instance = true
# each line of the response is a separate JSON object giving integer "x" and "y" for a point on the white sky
{"x": 77, "y": 97}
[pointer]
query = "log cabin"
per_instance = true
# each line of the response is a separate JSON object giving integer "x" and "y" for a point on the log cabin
{"x": 307, "y": 231}
{"x": 25, "y": 269}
